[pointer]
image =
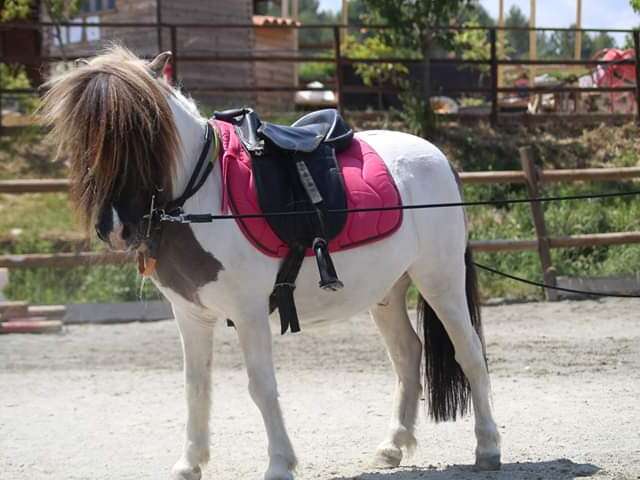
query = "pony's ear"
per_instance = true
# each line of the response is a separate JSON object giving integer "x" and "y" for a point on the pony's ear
{"x": 157, "y": 64}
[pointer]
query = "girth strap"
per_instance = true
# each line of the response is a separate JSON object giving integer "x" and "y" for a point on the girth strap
{"x": 282, "y": 295}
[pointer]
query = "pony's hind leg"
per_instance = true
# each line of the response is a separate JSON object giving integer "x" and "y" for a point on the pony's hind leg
{"x": 404, "y": 349}
{"x": 444, "y": 282}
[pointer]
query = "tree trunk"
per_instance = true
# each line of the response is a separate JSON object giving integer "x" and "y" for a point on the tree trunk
{"x": 428, "y": 120}
{"x": 426, "y": 67}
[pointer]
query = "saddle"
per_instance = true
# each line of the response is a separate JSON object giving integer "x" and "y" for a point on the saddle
{"x": 295, "y": 170}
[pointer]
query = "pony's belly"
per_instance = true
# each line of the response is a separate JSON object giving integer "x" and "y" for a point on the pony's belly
{"x": 368, "y": 273}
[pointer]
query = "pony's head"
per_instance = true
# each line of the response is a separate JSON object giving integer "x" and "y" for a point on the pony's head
{"x": 112, "y": 122}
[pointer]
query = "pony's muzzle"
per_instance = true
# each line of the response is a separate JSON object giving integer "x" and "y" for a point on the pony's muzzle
{"x": 111, "y": 230}
{"x": 117, "y": 238}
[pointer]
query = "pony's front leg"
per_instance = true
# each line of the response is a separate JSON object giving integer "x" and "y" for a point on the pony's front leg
{"x": 254, "y": 333}
{"x": 197, "y": 344}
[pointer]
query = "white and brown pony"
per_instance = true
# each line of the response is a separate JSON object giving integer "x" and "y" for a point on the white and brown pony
{"x": 130, "y": 137}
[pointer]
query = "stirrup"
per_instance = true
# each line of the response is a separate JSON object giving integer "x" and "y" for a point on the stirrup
{"x": 328, "y": 276}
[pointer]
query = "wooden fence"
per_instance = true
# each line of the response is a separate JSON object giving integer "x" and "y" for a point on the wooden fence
{"x": 338, "y": 58}
{"x": 531, "y": 176}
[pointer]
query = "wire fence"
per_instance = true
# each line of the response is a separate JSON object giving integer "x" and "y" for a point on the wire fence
{"x": 173, "y": 36}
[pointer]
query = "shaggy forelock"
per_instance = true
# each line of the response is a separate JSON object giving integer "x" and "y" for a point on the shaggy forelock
{"x": 110, "y": 119}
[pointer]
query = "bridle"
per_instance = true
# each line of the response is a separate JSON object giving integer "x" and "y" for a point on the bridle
{"x": 172, "y": 211}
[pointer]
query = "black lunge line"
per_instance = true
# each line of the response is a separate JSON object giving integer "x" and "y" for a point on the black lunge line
{"x": 552, "y": 287}
{"x": 207, "y": 217}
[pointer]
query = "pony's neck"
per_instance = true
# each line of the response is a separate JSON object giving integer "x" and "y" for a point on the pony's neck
{"x": 191, "y": 127}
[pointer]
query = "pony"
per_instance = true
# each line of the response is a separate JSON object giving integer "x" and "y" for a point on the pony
{"x": 133, "y": 140}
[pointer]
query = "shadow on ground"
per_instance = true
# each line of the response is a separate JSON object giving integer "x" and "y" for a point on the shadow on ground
{"x": 560, "y": 469}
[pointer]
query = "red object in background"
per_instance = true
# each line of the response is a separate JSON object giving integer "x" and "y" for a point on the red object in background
{"x": 31, "y": 325}
{"x": 167, "y": 73}
{"x": 618, "y": 76}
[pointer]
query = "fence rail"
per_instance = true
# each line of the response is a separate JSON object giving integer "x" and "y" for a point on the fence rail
{"x": 18, "y": 187}
{"x": 530, "y": 176}
{"x": 336, "y": 55}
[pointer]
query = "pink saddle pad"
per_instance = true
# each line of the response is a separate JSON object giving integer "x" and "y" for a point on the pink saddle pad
{"x": 367, "y": 181}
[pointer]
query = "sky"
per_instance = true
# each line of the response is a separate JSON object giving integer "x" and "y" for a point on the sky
{"x": 558, "y": 13}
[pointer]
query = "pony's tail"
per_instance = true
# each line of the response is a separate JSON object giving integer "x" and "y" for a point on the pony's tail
{"x": 447, "y": 390}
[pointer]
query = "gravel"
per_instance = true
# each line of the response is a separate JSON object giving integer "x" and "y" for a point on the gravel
{"x": 106, "y": 402}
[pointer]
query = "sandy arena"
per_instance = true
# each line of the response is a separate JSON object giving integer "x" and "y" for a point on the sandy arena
{"x": 106, "y": 402}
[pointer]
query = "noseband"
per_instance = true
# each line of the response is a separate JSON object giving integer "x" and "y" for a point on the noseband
{"x": 147, "y": 257}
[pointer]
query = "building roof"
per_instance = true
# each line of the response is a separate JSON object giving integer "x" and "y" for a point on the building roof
{"x": 265, "y": 20}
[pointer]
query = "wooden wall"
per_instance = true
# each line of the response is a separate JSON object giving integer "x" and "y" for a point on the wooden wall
{"x": 210, "y": 42}
{"x": 146, "y": 42}
{"x": 275, "y": 41}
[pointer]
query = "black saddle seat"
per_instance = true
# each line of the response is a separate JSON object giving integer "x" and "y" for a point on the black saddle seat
{"x": 305, "y": 135}
{"x": 308, "y": 132}
{"x": 296, "y": 170}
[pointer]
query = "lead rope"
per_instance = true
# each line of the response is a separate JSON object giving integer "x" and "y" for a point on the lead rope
{"x": 147, "y": 260}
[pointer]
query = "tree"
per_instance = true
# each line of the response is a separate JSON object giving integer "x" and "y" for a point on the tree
{"x": 600, "y": 41}
{"x": 357, "y": 9}
{"x": 561, "y": 44}
{"x": 628, "y": 41}
{"x": 476, "y": 14}
{"x": 310, "y": 13}
{"x": 411, "y": 26}
{"x": 517, "y": 39}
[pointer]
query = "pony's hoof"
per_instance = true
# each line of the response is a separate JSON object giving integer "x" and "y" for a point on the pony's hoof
{"x": 488, "y": 462}
{"x": 182, "y": 471}
{"x": 274, "y": 475}
{"x": 387, "y": 457}
{"x": 280, "y": 468}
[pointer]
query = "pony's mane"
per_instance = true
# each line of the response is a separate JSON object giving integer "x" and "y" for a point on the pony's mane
{"x": 111, "y": 120}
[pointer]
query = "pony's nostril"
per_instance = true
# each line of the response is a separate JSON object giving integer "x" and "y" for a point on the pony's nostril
{"x": 99, "y": 233}
{"x": 126, "y": 232}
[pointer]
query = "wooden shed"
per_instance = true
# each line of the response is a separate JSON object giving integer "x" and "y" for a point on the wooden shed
{"x": 200, "y": 78}
{"x": 282, "y": 42}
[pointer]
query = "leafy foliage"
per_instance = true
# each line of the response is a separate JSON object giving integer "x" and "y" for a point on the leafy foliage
{"x": 420, "y": 15}
{"x": 473, "y": 44}
{"x": 517, "y": 39}
{"x": 15, "y": 10}
{"x": 410, "y": 26}
{"x": 320, "y": 71}
{"x": 377, "y": 73}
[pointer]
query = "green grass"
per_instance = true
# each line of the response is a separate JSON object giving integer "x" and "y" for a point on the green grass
{"x": 39, "y": 223}
{"x": 562, "y": 218}
{"x": 92, "y": 284}
{"x": 44, "y": 219}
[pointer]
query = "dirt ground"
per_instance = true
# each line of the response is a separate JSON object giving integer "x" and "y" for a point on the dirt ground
{"x": 106, "y": 402}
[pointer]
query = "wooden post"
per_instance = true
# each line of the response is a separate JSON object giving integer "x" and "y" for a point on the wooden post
{"x": 533, "y": 43}
{"x": 578, "y": 38}
{"x": 501, "y": 34}
{"x": 295, "y": 14}
{"x": 533, "y": 190}
{"x": 174, "y": 50}
{"x": 494, "y": 78}
{"x": 338, "y": 63}
{"x": 344, "y": 14}
{"x": 636, "y": 45}
{"x": 1, "y": 87}
{"x": 158, "y": 24}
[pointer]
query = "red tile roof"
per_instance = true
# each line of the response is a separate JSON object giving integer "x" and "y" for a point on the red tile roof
{"x": 262, "y": 20}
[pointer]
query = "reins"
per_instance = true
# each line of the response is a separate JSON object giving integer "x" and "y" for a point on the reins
{"x": 199, "y": 176}
{"x": 173, "y": 209}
